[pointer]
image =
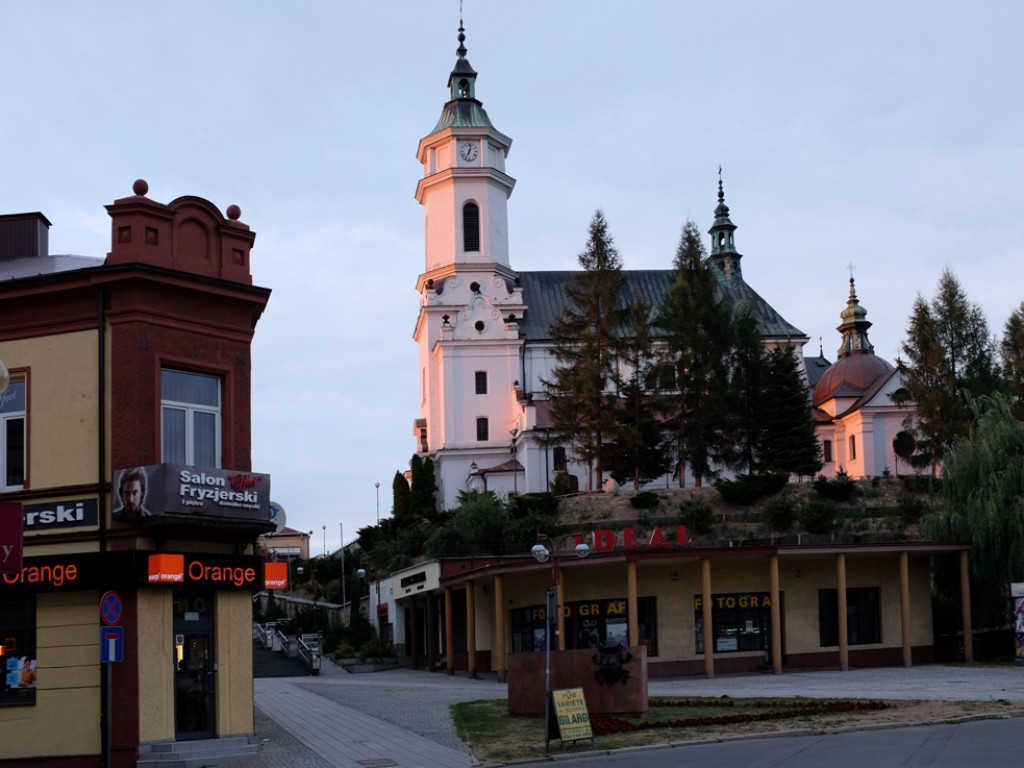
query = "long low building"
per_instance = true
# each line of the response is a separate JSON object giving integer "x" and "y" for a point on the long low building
{"x": 696, "y": 609}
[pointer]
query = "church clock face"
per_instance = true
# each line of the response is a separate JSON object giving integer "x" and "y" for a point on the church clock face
{"x": 467, "y": 151}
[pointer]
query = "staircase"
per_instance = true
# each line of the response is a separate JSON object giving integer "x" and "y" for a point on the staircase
{"x": 268, "y": 663}
{"x": 196, "y": 754}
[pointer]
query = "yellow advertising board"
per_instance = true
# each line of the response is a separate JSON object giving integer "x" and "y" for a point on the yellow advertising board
{"x": 571, "y": 714}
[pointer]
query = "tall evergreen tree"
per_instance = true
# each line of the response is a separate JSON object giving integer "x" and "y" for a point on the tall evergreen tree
{"x": 747, "y": 382}
{"x": 637, "y": 452}
{"x": 422, "y": 494}
{"x": 401, "y": 510}
{"x": 1011, "y": 350}
{"x": 949, "y": 356}
{"x": 788, "y": 442}
{"x": 697, "y": 325}
{"x": 585, "y": 345}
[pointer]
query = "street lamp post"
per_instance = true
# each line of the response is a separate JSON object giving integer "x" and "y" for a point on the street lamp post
{"x": 377, "y": 486}
{"x": 514, "y": 432}
{"x": 546, "y": 549}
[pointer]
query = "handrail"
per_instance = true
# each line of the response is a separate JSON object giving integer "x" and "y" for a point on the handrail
{"x": 309, "y": 652}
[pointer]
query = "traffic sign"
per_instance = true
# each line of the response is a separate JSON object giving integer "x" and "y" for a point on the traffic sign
{"x": 111, "y": 644}
{"x": 111, "y": 608}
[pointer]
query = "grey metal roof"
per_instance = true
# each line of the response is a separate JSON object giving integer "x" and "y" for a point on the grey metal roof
{"x": 462, "y": 113}
{"x": 545, "y": 296}
{"x": 33, "y": 266}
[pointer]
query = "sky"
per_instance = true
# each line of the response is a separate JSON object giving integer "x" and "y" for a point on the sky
{"x": 882, "y": 137}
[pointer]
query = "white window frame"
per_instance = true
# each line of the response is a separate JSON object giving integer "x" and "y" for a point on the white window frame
{"x": 6, "y": 417}
{"x": 191, "y": 411}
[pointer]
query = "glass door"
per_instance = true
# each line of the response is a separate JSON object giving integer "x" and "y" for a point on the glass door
{"x": 195, "y": 670}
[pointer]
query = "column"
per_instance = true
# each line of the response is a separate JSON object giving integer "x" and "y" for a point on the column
{"x": 449, "y": 632}
{"x": 709, "y": 635}
{"x": 776, "y": 616}
{"x": 844, "y": 644}
{"x": 632, "y": 609}
{"x": 908, "y": 660}
{"x": 414, "y": 633}
{"x": 471, "y": 627}
{"x": 431, "y": 622}
{"x": 965, "y": 603}
{"x": 500, "y": 663}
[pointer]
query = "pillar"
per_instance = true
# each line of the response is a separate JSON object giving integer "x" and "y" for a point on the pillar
{"x": 844, "y": 643}
{"x": 965, "y": 603}
{"x": 709, "y": 634}
{"x": 449, "y": 632}
{"x": 905, "y": 609}
{"x": 500, "y": 663}
{"x": 414, "y": 633}
{"x": 776, "y": 616}
{"x": 559, "y": 615}
{"x": 431, "y": 622}
{"x": 471, "y": 627}
{"x": 632, "y": 609}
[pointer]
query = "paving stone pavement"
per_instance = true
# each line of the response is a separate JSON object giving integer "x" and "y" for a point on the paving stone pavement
{"x": 400, "y": 718}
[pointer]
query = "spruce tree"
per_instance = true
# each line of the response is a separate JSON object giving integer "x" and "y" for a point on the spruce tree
{"x": 788, "y": 442}
{"x": 949, "y": 358}
{"x": 697, "y": 326}
{"x": 637, "y": 453}
{"x": 747, "y": 383}
{"x": 585, "y": 345}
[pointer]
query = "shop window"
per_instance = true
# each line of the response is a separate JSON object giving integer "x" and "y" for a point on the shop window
{"x": 588, "y": 624}
{"x": 18, "y": 650}
{"x": 863, "y": 616}
{"x": 740, "y": 621}
{"x": 826, "y": 451}
{"x": 471, "y": 227}
{"x": 12, "y": 431}
{"x": 190, "y": 418}
{"x": 481, "y": 382}
{"x": 482, "y": 430}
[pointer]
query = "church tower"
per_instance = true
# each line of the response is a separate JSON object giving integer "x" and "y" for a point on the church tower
{"x": 471, "y": 301}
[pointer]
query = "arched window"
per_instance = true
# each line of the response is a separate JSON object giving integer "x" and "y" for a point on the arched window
{"x": 470, "y": 227}
{"x": 853, "y": 447}
{"x": 482, "y": 431}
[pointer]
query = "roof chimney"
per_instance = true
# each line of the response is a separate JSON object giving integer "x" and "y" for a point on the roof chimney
{"x": 23, "y": 235}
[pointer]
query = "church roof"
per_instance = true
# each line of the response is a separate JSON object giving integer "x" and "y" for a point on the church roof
{"x": 545, "y": 296}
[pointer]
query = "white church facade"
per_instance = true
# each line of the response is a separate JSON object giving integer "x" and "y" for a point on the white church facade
{"x": 482, "y": 329}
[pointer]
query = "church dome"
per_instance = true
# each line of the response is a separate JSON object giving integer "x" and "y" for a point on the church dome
{"x": 850, "y": 376}
{"x": 858, "y": 367}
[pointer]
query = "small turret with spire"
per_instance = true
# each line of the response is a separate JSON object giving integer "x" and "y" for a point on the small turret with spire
{"x": 463, "y": 110}
{"x": 724, "y": 255}
{"x": 854, "y": 326}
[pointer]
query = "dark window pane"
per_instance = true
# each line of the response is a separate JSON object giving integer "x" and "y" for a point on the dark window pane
{"x": 471, "y": 227}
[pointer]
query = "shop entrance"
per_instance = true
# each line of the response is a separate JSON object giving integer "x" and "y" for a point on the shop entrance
{"x": 195, "y": 670}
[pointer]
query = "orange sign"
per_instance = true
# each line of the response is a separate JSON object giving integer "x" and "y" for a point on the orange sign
{"x": 166, "y": 569}
{"x": 275, "y": 575}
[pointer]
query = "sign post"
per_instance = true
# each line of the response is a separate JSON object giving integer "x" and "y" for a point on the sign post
{"x": 111, "y": 650}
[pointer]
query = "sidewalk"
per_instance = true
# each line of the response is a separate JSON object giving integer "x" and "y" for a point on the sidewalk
{"x": 400, "y": 719}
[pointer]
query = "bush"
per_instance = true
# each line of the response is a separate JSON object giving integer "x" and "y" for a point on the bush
{"x": 644, "y": 500}
{"x": 698, "y": 515}
{"x": 818, "y": 516}
{"x": 911, "y": 508}
{"x": 840, "y": 489}
{"x": 564, "y": 484}
{"x": 534, "y": 503}
{"x": 344, "y": 651}
{"x": 921, "y": 483}
{"x": 781, "y": 513}
{"x": 746, "y": 489}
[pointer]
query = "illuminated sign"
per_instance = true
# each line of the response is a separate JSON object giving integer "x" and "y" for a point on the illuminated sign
{"x": 61, "y": 573}
{"x": 275, "y": 575}
{"x": 208, "y": 571}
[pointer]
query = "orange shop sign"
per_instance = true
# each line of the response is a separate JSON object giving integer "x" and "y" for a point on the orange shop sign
{"x": 275, "y": 575}
{"x": 211, "y": 571}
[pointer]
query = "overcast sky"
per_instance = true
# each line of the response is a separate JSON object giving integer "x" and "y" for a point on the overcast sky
{"x": 884, "y": 135}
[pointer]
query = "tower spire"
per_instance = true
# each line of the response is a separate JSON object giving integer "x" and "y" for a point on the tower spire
{"x": 723, "y": 247}
{"x": 854, "y": 326}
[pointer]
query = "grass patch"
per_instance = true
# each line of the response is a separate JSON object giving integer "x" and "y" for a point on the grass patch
{"x": 494, "y": 736}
